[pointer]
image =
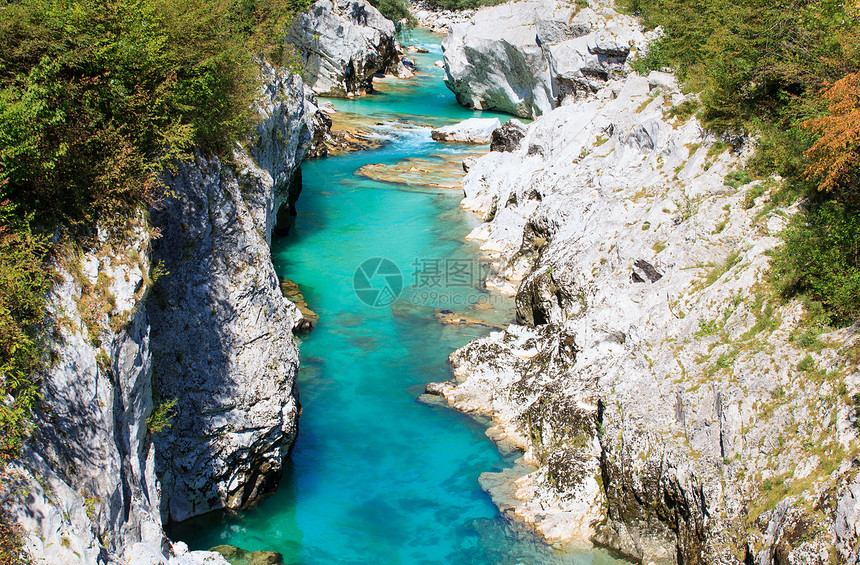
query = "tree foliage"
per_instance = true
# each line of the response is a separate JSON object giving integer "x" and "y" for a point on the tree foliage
{"x": 96, "y": 97}
{"x": 23, "y": 281}
{"x": 394, "y": 10}
{"x": 463, "y": 4}
{"x": 787, "y": 72}
{"x": 835, "y": 155}
{"x": 821, "y": 257}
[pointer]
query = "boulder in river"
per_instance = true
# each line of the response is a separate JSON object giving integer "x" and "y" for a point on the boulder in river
{"x": 473, "y": 130}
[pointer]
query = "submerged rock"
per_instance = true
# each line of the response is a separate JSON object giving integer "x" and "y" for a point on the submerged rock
{"x": 342, "y": 45}
{"x": 294, "y": 294}
{"x": 238, "y": 556}
{"x": 450, "y": 318}
{"x": 442, "y": 171}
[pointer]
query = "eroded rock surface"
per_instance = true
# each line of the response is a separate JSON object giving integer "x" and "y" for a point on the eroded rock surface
{"x": 667, "y": 406}
{"x": 342, "y": 45}
{"x": 85, "y": 490}
{"x": 221, "y": 327}
{"x": 526, "y": 58}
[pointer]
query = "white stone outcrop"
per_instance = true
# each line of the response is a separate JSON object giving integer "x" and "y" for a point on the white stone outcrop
{"x": 85, "y": 490}
{"x": 221, "y": 327}
{"x": 473, "y": 130}
{"x": 663, "y": 400}
{"x": 342, "y": 44}
{"x": 526, "y": 58}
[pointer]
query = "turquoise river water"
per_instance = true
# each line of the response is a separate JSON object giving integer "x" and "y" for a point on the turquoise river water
{"x": 375, "y": 476}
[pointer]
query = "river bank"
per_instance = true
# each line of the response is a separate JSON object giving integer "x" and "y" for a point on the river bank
{"x": 676, "y": 409}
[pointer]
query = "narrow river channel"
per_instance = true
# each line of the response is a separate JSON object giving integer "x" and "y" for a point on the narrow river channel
{"x": 376, "y": 477}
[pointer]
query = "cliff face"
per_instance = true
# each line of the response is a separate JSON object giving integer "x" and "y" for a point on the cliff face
{"x": 214, "y": 333}
{"x": 342, "y": 45}
{"x": 222, "y": 341}
{"x": 526, "y": 58}
{"x": 666, "y": 404}
{"x": 86, "y": 489}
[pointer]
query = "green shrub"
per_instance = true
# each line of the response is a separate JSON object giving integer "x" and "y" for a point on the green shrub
{"x": 751, "y": 195}
{"x": 821, "y": 258}
{"x": 97, "y": 98}
{"x": 685, "y": 110}
{"x": 767, "y": 69}
{"x": 162, "y": 416}
{"x": 656, "y": 58}
{"x": 736, "y": 179}
{"x": 23, "y": 283}
{"x": 11, "y": 546}
{"x": 707, "y": 327}
{"x": 394, "y": 10}
{"x": 806, "y": 364}
{"x": 464, "y": 4}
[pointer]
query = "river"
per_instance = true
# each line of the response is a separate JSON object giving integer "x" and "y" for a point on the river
{"x": 375, "y": 476}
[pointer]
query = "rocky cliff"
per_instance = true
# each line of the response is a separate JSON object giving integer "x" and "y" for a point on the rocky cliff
{"x": 86, "y": 490}
{"x": 213, "y": 333}
{"x": 666, "y": 404}
{"x": 342, "y": 45}
{"x": 526, "y": 58}
{"x": 221, "y": 327}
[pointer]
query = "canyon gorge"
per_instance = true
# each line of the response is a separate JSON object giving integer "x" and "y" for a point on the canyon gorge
{"x": 612, "y": 379}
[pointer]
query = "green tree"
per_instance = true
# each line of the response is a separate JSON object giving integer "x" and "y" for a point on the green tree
{"x": 23, "y": 282}
{"x": 785, "y": 72}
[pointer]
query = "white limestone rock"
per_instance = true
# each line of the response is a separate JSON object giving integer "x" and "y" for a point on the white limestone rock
{"x": 342, "y": 45}
{"x": 526, "y": 58}
{"x": 221, "y": 327}
{"x": 641, "y": 359}
{"x": 85, "y": 489}
{"x": 472, "y": 130}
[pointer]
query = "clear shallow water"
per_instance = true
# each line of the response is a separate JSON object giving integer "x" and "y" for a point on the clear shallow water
{"x": 376, "y": 477}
